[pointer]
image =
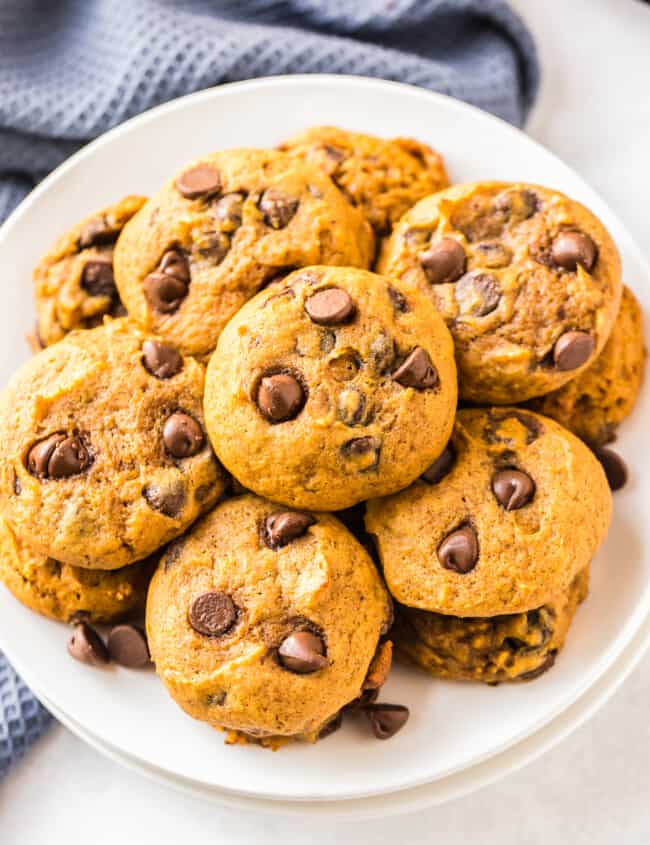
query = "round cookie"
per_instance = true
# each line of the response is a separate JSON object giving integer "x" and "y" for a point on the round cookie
{"x": 223, "y": 228}
{"x": 383, "y": 178}
{"x": 103, "y": 458}
{"x": 516, "y": 647}
{"x": 73, "y": 284}
{"x": 500, "y": 524}
{"x": 265, "y": 621}
{"x": 71, "y": 593}
{"x": 331, "y": 386}
{"x": 527, "y": 280}
{"x": 597, "y": 401}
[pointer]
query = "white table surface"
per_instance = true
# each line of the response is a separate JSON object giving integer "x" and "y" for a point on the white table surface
{"x": 594, "y": 111}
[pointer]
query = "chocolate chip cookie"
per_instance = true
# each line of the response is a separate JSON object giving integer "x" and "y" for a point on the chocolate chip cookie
{"x": 331, "y": 386}
{"x": 223, "y": 228}
{"x": 527, "y": 280}
{"x": 500, "y": 524}
{"x": 73, "y": 284}
{"x": 516, "y": 647}
{"x": 265, "y": 621}
{"x": 104, "y": 456}
{"x": 70, "y": 593}
{"x": 597, "y": 401}
{"x": 383, "y": 178}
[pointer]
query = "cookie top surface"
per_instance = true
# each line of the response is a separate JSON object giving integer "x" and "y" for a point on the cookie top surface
{"x": 331, "y": 386}
{"x": 382, "y": 177}
{"x": 503, "y": 527}
{"x": 527, "y": 280}
{"x": 74, "y": 285}
{"x": 265, "y": 621}
{"x": 597, "y": 401}
{"x": 71, "y": 593}
{"x": 104, "y": 457}
{"x": 220, "y": 230}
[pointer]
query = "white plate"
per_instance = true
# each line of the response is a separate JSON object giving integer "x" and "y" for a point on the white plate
{"x": 453, "y": 726}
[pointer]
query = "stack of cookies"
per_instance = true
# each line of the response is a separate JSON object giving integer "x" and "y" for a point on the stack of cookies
{"x": 243, "y": 421}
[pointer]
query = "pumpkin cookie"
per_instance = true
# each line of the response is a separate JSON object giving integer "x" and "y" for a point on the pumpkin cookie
{"x": 266, "y": 621}
{"x": 597, "y": 401}
{"x": 104, "y": 457}
{"x": 73, "y": 284}
{"x": 527, "y": 280}
{"x": 331, "y": 386}
{"x": 383, "y": 178}
{"x": 501, "y": 523}
{"x": 222, "y": 229}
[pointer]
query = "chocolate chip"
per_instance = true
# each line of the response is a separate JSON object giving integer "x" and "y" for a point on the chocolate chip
{"x": 160, "y": 359}
{"x": 199, "y": 181}
{"x": 367, "y": 697}
{"x": 573, "y": 349}
{"x": 417, "y": 371}
{"x": 169, "y": 501}
{"x": 97, "y": 232}
{"x": 513, "y": 488}
{"x": 282, "y": 528}
{"x": 517, "y": 205}
{"x": 614, "y": 466}
{"x": 330, "y": 307}
{"x": 182, "y": 435}
{"x": 443, "y": 262}
{"x": 477, "y": 293}
{"x": 351, "y": 406}
{"x": 327, "y": 342}
{"x": 570, "y": 249}
{"x": 127, "y": 645}
{"x": 459, "y": 550}
{"x": 493, "y": 254}
{"x": 97, "y": 278}
{"x": 441, "y": 466}
{"x": 213, "y": 245}
{"x": 212, "y": 614}
{"x": 58, "y": 456}
{"x": 280, "y": 397}
{"x": 87, "y": 646}
{"x": 399, "y": 301}
{"x": 228, "y": 211}
{"x": 382, "y": 353}
{"x": 302, "y": 653}
{"x": 39, "y": 455}
{"x": 363, "y": 451}
{"x": 386, "y": 719}
{"x": 167, "y": 286}
{"x": 547, "y": 664}
{"x": 332, "y": 726}
{"x": 277, "y": 208}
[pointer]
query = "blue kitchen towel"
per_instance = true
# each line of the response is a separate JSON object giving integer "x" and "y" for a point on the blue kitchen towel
{"x": 71, "y": 69}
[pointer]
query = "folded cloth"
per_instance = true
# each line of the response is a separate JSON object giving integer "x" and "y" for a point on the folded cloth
{"x": 71, "y": 69}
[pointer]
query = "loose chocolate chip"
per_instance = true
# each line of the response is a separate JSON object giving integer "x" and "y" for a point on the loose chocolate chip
{"x": 39, "y": 455}
{"x": 441, "y": 466}
{"x": 182, "y": 435}
{"x": 168, "y": 501}
{"x": 302, "y": 653}
{"x": 330, "y": 307}
{"x": 459, "y": 550}
{"x": 97, "y": 232}
{"x": 547, "y": 664}
{"x": 443, "y": 262}
{"x": 386, "y": 719}
{"x": 277, "y": 208}
{"x": 212, "y": 614}
{"x": 160, "y": 359}
{"x": 398, "y": 299}
{"x": 477, "y": 293}
{"x": 573, "y": 349}
{"x": 280, "y": 397}
{"x": 332, "y": 726}
{"x": 127, "y": 645}
{"x": 417, "y": 371}
{"x": 572, "y": 248}
{"x": 199, "y": 181}
{"x": 167, "y": 286}
{"x": 364, "y": 451}
{"x": 614, "y": 466}
{"x": 87, "y": 646}
{"x": 282, "y": 528}
{"x": 228, "y": 211}
{"x": 493, "y": 254}
{"x": 97, "y": 278}
{"x": 70, "y": 457}
{"x": 513, "y": 488}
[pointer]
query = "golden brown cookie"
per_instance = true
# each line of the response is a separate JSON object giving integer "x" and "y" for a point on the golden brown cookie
{"x": 222, "y": 229}
{"x": 516, "y": 647}
{"x": 528, "y": 281}
{"x": 71, "y": 593}
{"x": 73, "y": 284}
{"x": 103, "y": 455}
{"x": 501, "y": 523}
{"x": 383, "y": 178}
{"x": 266, "y": 621}
{"x": 331, "y": 386}
{"x": 597, "y": 401}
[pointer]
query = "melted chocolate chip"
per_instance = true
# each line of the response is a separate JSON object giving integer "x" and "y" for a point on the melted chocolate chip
{"x": 167, "y": 287}
{"x": 280, "y": 529}
{"x": 441, "y": 467}
{"x": 212, "y": 614}
{"x": 493, "y": 254}
{"x": 363, "y": 452}
{"x": 228, "y": 211}
{"x": 351, "y": 407}
{"x": 398, "y": 299}
{"x": 278, "y": 208}
{"x": 280, "y": 397}
{"x": 97, "y": 278}
{"x": 573, "y": 349}
{"x": 302, "y": 653}
{"x": 513, "y": 488}
{"x": 417, "y": 371}
{"x": 547, "y": 664}
{"x": 478, "y": 293}
{"x": 98, "y": 232}
{"x": 58, "y": 456}
{"x": 182, "y": 435}
{"x": 169, "y": 501}
{"x": 443, "y": 262}
{"x": 160, "y": 359}
{"x": 459, "y": 550}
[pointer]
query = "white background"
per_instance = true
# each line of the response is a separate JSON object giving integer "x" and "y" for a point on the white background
{"x": 594, "y": 111}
